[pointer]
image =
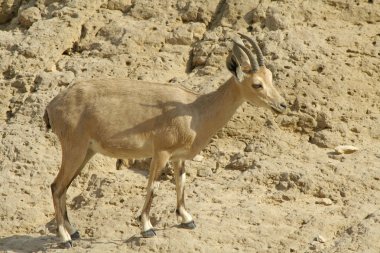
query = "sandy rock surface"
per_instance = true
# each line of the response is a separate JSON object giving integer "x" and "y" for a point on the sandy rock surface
{"x": 265, "y": 183}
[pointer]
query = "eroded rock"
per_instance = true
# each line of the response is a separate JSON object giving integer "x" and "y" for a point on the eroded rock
{"x": 187, "y": 34}
{"x": 27, "y": 17}
{"x": 121, "y": 5}
{"x": 8, "y": 10}
{"x": 275, "y": 20}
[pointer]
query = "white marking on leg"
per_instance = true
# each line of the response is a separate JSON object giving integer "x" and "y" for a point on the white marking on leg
{"x": 70, "y": 228}
{"x": 180, "y": 186}
{"x": 63, "y": 234}
{"x": 155, "y": 186}
{"x": 146, "y": 223}
{"x": 186, "y": 217}
{"x": 144, "y": 215}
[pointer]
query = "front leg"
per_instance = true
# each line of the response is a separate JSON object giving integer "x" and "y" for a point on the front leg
{"x": 158, "y": 162}
{"x": 180, "y": 178}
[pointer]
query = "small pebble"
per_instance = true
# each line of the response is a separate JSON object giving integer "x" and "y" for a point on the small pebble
{"x": 345, "y": 149}
{"x": 324, "y": 201}
{"x": 282, "y": 186}
{"x": 249, "y": 148}
{"x": 320, "y": 239}
{"x": 204, "y": 172}
{"x": 198, "y": 158}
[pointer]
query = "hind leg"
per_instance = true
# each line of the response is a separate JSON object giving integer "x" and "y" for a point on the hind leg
{"x": 73, "y": 161}
{"x": 74, "y": 233}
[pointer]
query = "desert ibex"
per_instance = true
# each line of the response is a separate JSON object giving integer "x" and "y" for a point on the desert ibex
{"x": 135, "y": 119}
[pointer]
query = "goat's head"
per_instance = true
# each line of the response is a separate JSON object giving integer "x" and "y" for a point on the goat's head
{"x": 254, "y": 79}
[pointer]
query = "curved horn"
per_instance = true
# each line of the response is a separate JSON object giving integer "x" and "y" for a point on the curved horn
{"x": 257, "y": 49}
{"x": 240, "y": 55}
{"x": 252, "y": 60}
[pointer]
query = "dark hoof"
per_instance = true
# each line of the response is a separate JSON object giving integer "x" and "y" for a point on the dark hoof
{"x": 66, "y": 245}
{"x": 189, "y": 225}
{"x": 75, "y": 236}
{"x": 149, "y": 233}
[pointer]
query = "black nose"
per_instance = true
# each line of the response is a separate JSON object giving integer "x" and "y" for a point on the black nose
{"x": 283, "y": 105}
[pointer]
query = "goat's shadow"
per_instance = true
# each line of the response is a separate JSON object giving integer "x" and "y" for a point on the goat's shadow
{"x": 139, "y": 240}
{"x": 27, "y": 243}
{"x": 31, "y": 243}
{"x": 134, "y": 240}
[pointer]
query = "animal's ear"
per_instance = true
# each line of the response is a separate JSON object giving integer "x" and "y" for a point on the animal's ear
{"x": 235, "y": 68}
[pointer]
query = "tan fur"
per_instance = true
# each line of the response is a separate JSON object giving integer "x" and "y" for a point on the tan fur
{"x": 124, "y": 118}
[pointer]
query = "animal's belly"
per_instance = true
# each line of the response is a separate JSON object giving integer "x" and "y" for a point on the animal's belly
{"x": 184, "y": 154}
{"x": 122, "y": 150}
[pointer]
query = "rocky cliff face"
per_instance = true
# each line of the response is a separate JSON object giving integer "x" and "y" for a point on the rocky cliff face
{"x": 266, "y": 182}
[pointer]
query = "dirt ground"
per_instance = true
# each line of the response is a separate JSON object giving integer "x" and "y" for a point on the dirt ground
{"x": 265, "y": 183}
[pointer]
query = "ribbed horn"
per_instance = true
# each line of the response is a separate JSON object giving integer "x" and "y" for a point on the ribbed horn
{"x": 260, "y": 57}
{"x": 251, "y": 57}
{"x": 240, "y": 55}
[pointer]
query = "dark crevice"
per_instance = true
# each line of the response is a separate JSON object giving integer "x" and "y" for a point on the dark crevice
{"x": 9, "y": 115}
{"x": 76, "y": 48}
{"x": 218, "y": 15}
{"x": 83, "y": 32}
{"x": 189, "y": 64}
{"x": 72, "y": 50}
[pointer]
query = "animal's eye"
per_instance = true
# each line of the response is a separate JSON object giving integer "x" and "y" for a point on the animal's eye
{"x": 257, "y": 86}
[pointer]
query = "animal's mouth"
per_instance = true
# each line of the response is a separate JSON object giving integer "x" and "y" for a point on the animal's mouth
{"x": 279, "y": 108}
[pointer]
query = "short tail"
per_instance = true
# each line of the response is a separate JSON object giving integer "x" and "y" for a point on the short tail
{"x": 46, "y": 119}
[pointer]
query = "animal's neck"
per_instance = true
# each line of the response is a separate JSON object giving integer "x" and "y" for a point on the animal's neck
{"x": 217, "y": 108}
